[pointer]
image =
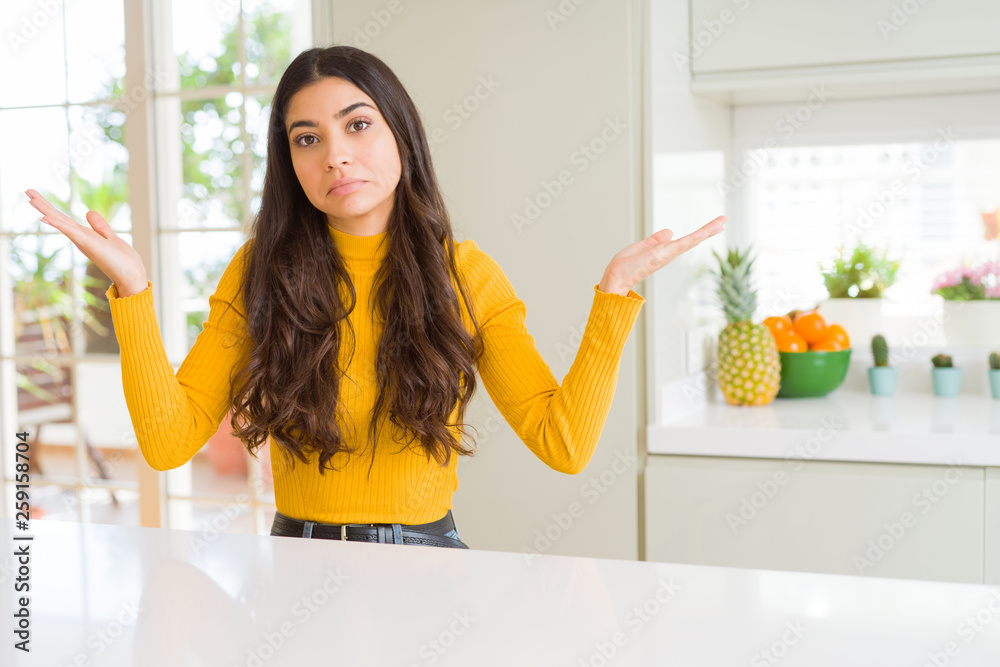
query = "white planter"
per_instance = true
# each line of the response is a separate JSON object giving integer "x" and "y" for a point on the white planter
{"x": 861, "y": 319}
{"x": 972, "y": 323}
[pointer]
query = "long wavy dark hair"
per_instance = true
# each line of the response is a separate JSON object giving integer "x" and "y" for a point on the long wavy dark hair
{"x": 294, "y": 282}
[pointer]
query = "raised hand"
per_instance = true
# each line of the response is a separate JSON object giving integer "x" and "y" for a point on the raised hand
{"x": 641, "y": 259}
{"x": 117, "y": 259}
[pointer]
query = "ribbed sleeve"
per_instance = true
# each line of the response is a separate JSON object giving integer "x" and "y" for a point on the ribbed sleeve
{"x": 560, "y": 424}
{"x": 174, "y": 416}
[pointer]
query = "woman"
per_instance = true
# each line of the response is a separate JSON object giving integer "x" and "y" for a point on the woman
{"x": 352, "y": 228}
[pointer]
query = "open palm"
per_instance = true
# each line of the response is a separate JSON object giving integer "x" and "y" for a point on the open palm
{"x": 642, "y": 259}
{"x": 110, "y": 253}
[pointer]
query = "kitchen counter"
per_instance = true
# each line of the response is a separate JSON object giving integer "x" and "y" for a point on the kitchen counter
{"x": 112, "y": 595}
{"x": 845, "y": 425}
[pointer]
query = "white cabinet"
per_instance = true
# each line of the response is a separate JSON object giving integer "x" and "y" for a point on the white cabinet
{"x": 756, "y": 51}
{"x": 992, "y": 526}
{"x": 732, "y": 35}
{"x": 871, "y": 519}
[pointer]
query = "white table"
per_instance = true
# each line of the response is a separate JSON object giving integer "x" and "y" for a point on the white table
{"x": 111, "y": 595}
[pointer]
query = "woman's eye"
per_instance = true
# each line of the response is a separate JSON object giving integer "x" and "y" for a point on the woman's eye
{"x": 299, "y": 141}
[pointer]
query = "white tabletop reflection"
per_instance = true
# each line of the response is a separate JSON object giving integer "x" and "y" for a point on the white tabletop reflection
{"x": 112, "y": 595}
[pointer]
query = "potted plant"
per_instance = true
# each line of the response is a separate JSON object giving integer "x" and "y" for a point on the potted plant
{"x": 856, "y": 281}
{"x": 881, "y": 376}
{"x": 971, "y": 304}
{"x": 946, "y": 378}
{"x": 995, "y": 374}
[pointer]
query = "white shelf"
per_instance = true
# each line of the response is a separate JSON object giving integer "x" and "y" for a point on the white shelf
{"x": 842, "y": 426}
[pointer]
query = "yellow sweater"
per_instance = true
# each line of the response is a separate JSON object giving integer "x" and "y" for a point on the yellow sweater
{"x": 174, "y": 416}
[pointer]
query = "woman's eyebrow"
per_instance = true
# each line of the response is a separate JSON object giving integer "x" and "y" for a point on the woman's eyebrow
{"x": 343, "y": 112}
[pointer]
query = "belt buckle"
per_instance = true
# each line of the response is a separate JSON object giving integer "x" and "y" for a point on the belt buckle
{"x": 343, "y": 529}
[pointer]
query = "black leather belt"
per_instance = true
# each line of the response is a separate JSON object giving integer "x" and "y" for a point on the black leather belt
{"x": 431, "y": 534}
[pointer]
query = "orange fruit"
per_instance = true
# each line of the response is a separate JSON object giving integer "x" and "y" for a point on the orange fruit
{"x": 794, "y": 315}
{"x": 810, "y": 326}
{"x": 778, "y": 323}
{"x": 825, "y": 345}
{"x": 789, "y": 341}
{"x": 837, "y": 333}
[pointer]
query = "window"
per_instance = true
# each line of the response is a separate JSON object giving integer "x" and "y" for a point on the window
{"x": 64, "y": 111}
{"x": 62, "y": 133}
{"x": 912, "y": 174}
{"x": 924, "y": 202}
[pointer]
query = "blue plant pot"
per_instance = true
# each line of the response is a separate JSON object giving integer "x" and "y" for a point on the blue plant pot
{"x": 947, "y": 381}
{"x": 882, "y": 380}
{"x": 995, "y": 382}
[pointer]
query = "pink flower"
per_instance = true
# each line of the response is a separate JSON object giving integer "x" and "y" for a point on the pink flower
{"x": 986, "y": 270}
{"x": 986, "y": 274}
{"x": 948, "y": 279}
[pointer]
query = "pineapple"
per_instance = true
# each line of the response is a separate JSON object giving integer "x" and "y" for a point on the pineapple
{"x": 749, "y": 368}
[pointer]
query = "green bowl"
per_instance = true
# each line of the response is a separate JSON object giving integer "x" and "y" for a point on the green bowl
{"x": 812, "y": 373}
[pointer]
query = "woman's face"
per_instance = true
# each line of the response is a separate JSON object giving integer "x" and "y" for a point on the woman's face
{"x": 330, "y": 138}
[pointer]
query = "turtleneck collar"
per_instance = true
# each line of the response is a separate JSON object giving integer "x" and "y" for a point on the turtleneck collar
{"x": 361, "y": 250}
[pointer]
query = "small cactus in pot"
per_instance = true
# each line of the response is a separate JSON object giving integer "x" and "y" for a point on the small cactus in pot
{"x": 881, "y": 376}
{"x": 947, "y": 379}
{"x": 942, "y": 361}
{"x": 880, "y": 350}
{"x": 995, "y": 374}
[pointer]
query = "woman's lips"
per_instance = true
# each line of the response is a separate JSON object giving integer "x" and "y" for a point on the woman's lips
{"x": 347, "y": 188}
